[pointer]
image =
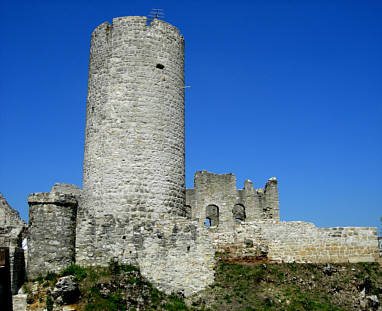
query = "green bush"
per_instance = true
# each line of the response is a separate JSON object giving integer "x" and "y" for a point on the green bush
{"x": 49, "y": 303}
{"x": 175, "y": 304}
{"x": 128, "y": 268}
{"x": 51, "y": 276}
{"x": 78, "y": 272}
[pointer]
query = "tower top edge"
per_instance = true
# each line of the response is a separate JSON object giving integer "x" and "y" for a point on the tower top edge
{"x": 138, "y": 21}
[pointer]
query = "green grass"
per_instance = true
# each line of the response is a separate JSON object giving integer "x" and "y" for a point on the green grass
{"x": 175, "y": 303}
{"x": 269, "y": 287}
{"x": 285, "y": 286}
{"x": 78, "y": 272}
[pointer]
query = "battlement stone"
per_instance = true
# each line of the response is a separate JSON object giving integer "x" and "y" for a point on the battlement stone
{"x": 60, "y": 199}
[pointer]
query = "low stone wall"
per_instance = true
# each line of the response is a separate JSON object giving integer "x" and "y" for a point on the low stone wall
{"x": 177, "y": 256}
{"x": 299, "y": 242}
{"x": 51, "y": 233}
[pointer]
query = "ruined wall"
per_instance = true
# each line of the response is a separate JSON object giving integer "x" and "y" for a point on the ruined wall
{"x": 5, "y": 280}
{"x": 9, "y": 216}
{"x": 134, "y": 145}
{"x": 12, "y": 232}
{"x": 51, "y": 232}
{"x": 262, "y": 236}
{"x": 215, "y": 197}
{"x": 10, "y": 238}
{"x": 299, "y": 242}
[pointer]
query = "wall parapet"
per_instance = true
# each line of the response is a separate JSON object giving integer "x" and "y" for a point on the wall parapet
{"x": 61, "y": 199}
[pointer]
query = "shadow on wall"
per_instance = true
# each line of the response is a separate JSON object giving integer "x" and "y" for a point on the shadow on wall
{"x": 238, "y": 212}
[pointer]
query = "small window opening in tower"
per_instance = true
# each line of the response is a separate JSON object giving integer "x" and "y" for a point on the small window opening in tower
{"x": 212, "y": 213}
{"x": 160, "y": 66}
{"x": 208, "y": 222}
{"x": 238, "y": 212}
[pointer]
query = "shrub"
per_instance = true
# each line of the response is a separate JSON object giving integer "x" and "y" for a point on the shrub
{"x": 78, "y": 272}
{"x": 49, "y": 303}
{"x": 51, "y": 276}
{"x": 175, "y": 304}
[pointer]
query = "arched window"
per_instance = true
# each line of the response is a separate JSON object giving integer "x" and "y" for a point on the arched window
{"x": 212, "y": 216}
{"x": 238, "y": 212}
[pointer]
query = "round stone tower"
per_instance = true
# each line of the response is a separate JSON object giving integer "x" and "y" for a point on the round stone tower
{"x": 134, "y": 168}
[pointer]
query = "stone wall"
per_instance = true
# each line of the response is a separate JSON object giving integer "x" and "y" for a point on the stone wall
{"x": 176, "y": 255}
{"x": 12, "y": 231}
{"x": 134, "y": 168}
{"x": 17, "y": 269}
{"x": 5, "y": 280}
{"x": 9, "y": 216}
{"x": 134, "y": 207}
{"x": 10, "y": 238}
{"x": 215, "y": 197}
{"x": 67, "y": 189}
{"x": 51, "y": 234}
{"x": 299, "y": 242}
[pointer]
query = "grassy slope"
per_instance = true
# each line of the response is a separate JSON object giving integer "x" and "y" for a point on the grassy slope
{"x": 290, "y": 286}
{"x": 236, "y": 287}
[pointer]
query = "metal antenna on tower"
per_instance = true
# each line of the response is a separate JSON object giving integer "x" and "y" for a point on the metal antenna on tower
{"x": 155, "y": 14}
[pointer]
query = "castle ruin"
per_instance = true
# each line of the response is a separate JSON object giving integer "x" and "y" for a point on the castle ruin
{"x": 134, "y": 208}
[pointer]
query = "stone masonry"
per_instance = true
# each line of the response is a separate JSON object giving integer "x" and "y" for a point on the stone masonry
{"x": 51, "y": 232}
{"x": 134, "y": 168}
{"x": 216, "y": 199}
{"x": 298, "y": 241}
{"x": 134, "y": 207}
{"x": 12, "y": 232}
{"x": 176, "y": 255}
{"x": 246, "y": 223}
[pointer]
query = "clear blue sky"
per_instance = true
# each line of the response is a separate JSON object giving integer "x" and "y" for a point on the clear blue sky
{"x": 291, "y": 89}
